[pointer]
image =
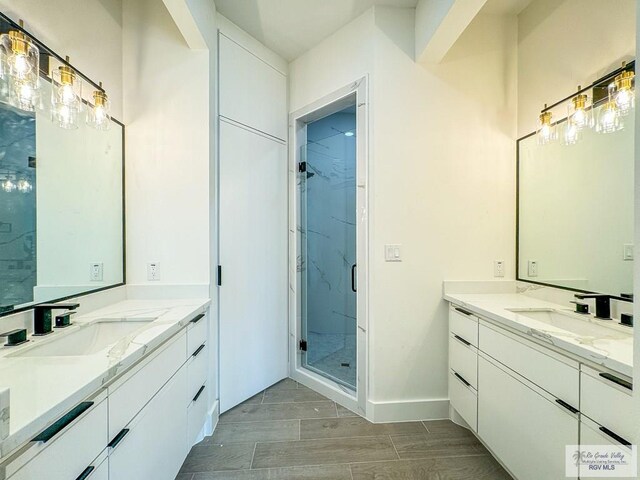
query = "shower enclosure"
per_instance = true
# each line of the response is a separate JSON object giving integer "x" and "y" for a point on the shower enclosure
{"x": 327, "y": 254}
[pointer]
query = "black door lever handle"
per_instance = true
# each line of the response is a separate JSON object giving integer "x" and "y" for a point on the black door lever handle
{"x": 353, "y": 278}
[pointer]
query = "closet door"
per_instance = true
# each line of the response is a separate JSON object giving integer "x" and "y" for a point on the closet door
{"x": 253, "y": 257}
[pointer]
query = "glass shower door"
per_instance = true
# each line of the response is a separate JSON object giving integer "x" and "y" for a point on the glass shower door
{"x": 327, "y": 179}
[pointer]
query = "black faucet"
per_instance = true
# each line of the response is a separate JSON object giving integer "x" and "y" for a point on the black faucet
{"x": 15, "y": 337}
{"x": 42, "y": 316}
{"x": 603, "y": 303}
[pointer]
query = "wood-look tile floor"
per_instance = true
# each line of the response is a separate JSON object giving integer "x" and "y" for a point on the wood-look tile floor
{"x": 289, "y": 432}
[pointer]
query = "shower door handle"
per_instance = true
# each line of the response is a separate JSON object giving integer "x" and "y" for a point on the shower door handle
{"x": 353, "y": 278}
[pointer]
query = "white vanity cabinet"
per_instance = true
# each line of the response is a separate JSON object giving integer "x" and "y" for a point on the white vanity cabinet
{"x": 527, "y": 402}
{"x": 522, "y": 424}
{"x": 140, "y": 427}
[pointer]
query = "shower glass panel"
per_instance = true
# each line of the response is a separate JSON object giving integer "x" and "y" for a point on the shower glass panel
{"x": 328, "y": 246}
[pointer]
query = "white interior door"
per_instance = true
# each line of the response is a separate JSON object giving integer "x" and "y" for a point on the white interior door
{"x": 253, "y": 256}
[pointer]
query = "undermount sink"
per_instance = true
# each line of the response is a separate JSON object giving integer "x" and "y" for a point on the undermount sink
{"x": 86, "y": 340}
{"x": 582, "y": 327}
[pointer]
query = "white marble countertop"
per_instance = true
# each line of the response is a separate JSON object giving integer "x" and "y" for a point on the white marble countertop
{"x": 43, "y": 388}
{"x": 615, "y": 352}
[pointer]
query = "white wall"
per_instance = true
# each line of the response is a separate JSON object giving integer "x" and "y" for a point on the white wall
{"x": 566, "y": 43}
{"x": 442, "y": 175}
{"x": 441, "y": 184}
{"x": 89, "y": 31}
{"x": 168, "y": 148}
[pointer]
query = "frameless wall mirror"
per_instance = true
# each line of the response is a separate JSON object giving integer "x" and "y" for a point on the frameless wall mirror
{"x": 575, "y": 193}
{"x": 61, "y": 178}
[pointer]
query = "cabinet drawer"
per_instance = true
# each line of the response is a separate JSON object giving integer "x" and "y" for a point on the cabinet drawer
{"x": 197, "y": 369}
{"x": 590, "y": 434}
{"x": 463, "y": 359}
{"x": 606, "y": 402}
{"x": 127, "y": 397}
{"x": 464, "y": 324}
{"x": 197, "y": 414}
{"x": 556, "y": 377}
{"x": 154, "y": 444}
{"x": 464, "y": 399}
{"x": 196, "y": 333}
{"x": 523, "y": 425}
{"x": 68, "y": 455}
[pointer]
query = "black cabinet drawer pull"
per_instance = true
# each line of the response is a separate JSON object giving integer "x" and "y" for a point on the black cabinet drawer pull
{"x": 463, "y": 311}
{"x": 461, "y": 378}
{"x": 617, "y": 381}
{"x": 61, "y": 423}
{"x": 353, "y": 278}
{"x": 460, "y": 339}
{"x": 200, "y": 390}
{"x": 565, "y": 405}
{"x": 198, "y": 350}
{"x": 118, "y": 438}
{"x": 615, "y": 436}
{"x": 87, "y": 471}
{"x": 197, "y": 318}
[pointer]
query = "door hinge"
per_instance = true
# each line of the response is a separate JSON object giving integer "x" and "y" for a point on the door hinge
{"x": 303, "y": 345}
{"x": 219, "y": 275}
{"x": 302, "y": 167}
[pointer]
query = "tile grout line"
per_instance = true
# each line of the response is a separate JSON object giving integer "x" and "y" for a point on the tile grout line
{"x": 394, "y": 447}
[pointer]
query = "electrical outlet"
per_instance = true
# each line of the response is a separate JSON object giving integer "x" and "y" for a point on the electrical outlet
{"x": 627, "y": 251}
{"x": 532, "y": 268}
{"x": 498, "y": 268}
{"x": 96, "y": 272}
{"x": 153, "y": 271}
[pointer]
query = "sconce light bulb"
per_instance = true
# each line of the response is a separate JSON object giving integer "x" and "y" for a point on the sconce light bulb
{"x": 67, "y": 95}
{"x": 21, "y": 65}
{"x": 624, "y": 99}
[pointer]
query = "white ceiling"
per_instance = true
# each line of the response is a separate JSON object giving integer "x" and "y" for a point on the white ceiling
{"x": 291, "y": 27}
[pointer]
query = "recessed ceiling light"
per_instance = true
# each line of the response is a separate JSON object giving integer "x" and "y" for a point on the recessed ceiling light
{"x": 348, "y": 134}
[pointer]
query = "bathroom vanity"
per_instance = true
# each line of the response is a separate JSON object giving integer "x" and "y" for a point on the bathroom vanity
{"x": 531, "y": 379}
{"x": 122, "y": 393}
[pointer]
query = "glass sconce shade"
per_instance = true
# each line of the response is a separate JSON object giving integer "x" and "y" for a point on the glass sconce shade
{"x": 546, "y": 131}
{"x": 609, "y": 120}
{"x": 579, "y": 115}
{"x": 66, "y": 97}
{"x": 572, "y": 133}
{"x": 625, "y": 91}
{"x": 98, "y": 115}
{"x": 8, "y": 185}
{"x": 24, "y": 186}
{"x": 19, "y": 70}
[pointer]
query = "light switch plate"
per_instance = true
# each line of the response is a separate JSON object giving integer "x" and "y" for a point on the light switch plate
{"x": 393, "y": 253}
{"x": 498, "y": 268}
{"x": 96, "y": 272}
{"x": 153, "y": 271}
{"x": 627, "y": 251}
{"x": 532, "y": 268}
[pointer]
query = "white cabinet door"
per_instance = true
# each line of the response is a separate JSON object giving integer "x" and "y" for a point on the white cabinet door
{"x": 253, "y": 255}
{"x": 527, "y": 431}
{"x": 154, "y": 445}
{"x": 251, "y": 91}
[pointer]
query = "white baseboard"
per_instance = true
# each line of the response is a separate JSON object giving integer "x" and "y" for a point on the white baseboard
{"x": 407, "y": 411}
{"x": 212, "y": 419}
{"x": 143, "y": 291}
